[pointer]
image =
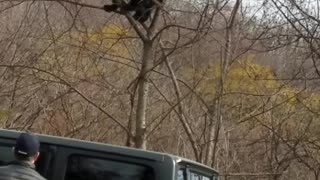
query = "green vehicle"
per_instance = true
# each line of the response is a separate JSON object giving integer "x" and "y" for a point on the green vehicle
{"x": 71, "y": 159}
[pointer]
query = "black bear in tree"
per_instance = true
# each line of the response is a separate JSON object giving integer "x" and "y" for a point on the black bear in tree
{"x": 141, "y": 8}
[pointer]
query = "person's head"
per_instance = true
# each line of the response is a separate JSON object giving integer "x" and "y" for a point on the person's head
{"x": 27, "y": 147}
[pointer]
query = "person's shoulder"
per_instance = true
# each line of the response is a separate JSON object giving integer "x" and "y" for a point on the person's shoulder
{"x": 38, "y": 175}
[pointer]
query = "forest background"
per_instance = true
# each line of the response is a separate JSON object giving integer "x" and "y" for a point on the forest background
{"x": 229, "y": 83}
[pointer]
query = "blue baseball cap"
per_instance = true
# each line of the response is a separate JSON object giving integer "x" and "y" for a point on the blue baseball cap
{"x": 27, "y": 144}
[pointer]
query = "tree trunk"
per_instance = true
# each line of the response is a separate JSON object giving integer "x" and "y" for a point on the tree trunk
{"x": 143, "y": 89}
{"x": 225, "y": 62}
{"x": 181, "y": 115}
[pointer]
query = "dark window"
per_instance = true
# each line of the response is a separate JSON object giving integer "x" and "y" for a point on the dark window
{"x": 89, "y": 168}
{"x": 44, "y": 164}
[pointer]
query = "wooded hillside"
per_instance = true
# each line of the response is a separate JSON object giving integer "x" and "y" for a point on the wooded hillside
{"x": 229, "y": 83}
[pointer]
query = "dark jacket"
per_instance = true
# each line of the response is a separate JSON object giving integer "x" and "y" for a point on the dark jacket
{"x": 19, "y": 171}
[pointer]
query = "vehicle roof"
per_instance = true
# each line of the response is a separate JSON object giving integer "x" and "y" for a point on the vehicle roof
{"x": 89, "y": 145}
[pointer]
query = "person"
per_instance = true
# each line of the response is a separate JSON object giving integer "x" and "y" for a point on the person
{"x": 26, "y": 153}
